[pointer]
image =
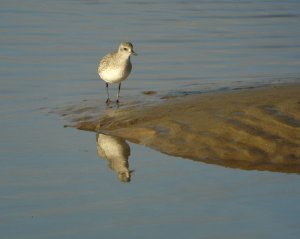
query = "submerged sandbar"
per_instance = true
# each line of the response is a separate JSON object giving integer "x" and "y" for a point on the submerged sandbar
{"x": 248, "y": 129}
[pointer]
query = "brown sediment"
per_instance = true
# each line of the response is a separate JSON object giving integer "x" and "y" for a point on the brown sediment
{"x": 149, "y": 92}
{"x": 248, "y": 129}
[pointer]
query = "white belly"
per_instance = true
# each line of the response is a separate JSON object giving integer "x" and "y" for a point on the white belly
{"x": 113, "y": 75}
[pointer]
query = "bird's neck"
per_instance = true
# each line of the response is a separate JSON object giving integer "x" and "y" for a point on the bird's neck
{"x": 123, "y": 57}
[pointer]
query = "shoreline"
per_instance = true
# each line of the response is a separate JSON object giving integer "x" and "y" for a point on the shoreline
{"x": 257, "y": 128}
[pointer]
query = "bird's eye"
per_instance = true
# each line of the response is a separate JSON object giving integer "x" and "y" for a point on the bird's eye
{"x": 125, "y": 49}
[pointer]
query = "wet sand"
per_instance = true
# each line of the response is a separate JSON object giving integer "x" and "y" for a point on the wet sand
{"x": 247, "y": 129}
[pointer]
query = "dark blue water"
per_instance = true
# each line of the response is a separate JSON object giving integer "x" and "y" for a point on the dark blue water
{"x": 52, "y": 183}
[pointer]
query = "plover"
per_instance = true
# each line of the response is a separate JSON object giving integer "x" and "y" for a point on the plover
{"x": 116, "y": 66}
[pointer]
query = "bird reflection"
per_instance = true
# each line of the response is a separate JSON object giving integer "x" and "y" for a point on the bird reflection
{"x": 116, "y": 151}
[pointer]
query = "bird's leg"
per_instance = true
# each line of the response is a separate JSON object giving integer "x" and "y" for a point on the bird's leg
{"x": 119, "y": 92}
{"x": 107, "y": 101}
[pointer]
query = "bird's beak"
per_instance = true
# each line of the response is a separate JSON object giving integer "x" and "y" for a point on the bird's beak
{"x": 133, "y": 53}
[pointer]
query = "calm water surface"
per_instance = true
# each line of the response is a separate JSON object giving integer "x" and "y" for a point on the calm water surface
{"x": 52, "y": 182}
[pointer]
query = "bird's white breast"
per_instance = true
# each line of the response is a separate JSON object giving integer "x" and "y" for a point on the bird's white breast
{"x": 114, "y": 75}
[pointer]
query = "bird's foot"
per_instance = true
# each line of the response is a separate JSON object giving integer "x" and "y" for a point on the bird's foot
{"x": 107, "y": 101}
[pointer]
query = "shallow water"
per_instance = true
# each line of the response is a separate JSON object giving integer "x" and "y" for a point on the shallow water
{"x": 53, "y": 184}
{"x": 251, "y": 129}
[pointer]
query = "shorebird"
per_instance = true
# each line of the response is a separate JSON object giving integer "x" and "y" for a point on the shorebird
{"x": 116, "y": 66}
